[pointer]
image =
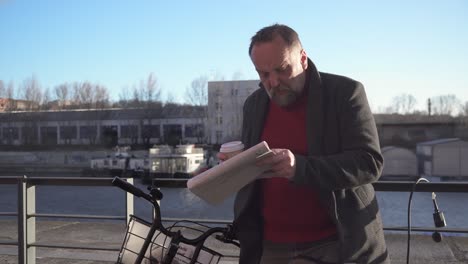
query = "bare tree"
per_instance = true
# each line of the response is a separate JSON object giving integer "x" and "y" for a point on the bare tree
{"x": 146, "y": 95}
{"x": 403, "y": 104}
{"x": 124, "y": 98}
{"x": 2, "y": 89}
{"x": 84, "y": 94}
{"x": 62, "y": 94}
{"x": 136, "y": 96}
{"x": 151, "y": 91}
{"x": 31, "y": 92}
{"x": 101, "y": 97}
{"x": 46, "y": 99}
{"x": 445, "y": 104}
{"x": 170, "y": 98}
{"x": 88, "y": 95}
{"x": 465, "y": 109}
{"x": 197, "y": 95}
{"x": 10, "y": 93}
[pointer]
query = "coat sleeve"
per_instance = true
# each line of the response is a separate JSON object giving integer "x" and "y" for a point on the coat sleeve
{"x": 358, "y": 161}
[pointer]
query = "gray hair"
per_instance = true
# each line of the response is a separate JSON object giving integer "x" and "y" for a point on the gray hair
{"x": 267, "y": 34}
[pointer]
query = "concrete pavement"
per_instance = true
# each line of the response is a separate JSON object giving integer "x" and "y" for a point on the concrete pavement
{"x": 453, "y": 249}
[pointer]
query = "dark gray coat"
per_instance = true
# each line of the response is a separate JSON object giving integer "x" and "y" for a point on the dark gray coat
{"x": 344, "y": 159}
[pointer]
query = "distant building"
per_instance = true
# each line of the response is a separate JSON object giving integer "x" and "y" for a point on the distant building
{"x": 225, "y": 102}
{"x": 222, "y": 122}
{"x": 445, "y": 158}
{"x": 59, "y": 104}
{"x": 408, "y": 130}
{"x": 173, "y": 125}
{"x": 399, "y": 164}
{"x": 226, "y": 99}
{"x": 8, "y": 104}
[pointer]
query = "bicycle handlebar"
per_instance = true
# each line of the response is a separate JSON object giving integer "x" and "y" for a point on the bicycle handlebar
{"x": 130, "y": 188}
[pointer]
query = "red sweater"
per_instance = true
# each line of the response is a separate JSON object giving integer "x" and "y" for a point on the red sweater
{"x": 291, "y": 213}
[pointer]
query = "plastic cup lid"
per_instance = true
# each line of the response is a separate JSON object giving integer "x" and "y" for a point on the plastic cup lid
{"x": 231, "y": 146}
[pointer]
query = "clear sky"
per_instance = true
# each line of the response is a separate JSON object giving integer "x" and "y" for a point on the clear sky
{"x": 417, "y": 47}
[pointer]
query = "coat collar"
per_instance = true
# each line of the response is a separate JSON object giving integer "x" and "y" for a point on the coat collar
{"x": 314, "y": 111}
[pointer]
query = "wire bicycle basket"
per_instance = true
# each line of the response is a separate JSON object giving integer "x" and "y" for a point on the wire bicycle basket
{"x": 136, "y": 233}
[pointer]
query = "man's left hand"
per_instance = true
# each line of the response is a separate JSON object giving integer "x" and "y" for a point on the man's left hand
{"x": 282, "y": 164}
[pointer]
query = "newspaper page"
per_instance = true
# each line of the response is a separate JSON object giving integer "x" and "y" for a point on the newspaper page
{"x": 225, "y": 179}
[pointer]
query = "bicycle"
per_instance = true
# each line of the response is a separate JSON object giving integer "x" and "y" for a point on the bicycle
{"x": 146, "y": 242}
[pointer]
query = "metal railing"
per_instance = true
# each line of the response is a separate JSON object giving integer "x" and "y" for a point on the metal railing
{"x": 26, "y": 212}
{"x": 27, "y": 215}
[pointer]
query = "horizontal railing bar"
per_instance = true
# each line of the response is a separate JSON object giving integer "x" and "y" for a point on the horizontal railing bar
{"x": 10, "y": 179}
{"x": 8, "y": 213}
{"x": 70, "y": 181}
{"x": 110, "y": 217}
{"x": 427, "y": 229}
{"x": 391, "y": 186}
{"x": 47, "y": 245}
{"x": 390, "y": 228}
{"x": 207, "y": 221}
{"x": 9, "y": 242}
{"x": 387, "y": 186}
{"x": 60, "y": 181}
{"x": 404, "y": 186}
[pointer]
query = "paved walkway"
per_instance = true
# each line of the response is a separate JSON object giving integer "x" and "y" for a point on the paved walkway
{"x": 453, "y": 249}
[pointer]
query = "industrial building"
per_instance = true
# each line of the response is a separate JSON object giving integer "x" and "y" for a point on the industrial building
{"x": 444, "y": 158}
{"x": 181, "y": 124}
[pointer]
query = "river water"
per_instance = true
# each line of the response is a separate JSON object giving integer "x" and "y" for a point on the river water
{"x": 181, "y": 203}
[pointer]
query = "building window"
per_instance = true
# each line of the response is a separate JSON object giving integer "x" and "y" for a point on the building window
{"x": 219, "y": 136}
{"x": 150, "y": 131}
{"x": 129, "y": 131}
{"x": 29, "y": 134}
{"x": 195, "y": 130}
{"x": 172, "y": 134}
{"x": 234, "y": 92}
{"x": 10, "y": 133}
{"x": 49, "y": 135}
{"x": 68, "y": 132}
{"x": 87, "y": 132}
{"x": 218, "y": 106}
{"x": 219, "y": 120}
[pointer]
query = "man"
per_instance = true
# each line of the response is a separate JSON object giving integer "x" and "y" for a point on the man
{"x": 316, "y": 204}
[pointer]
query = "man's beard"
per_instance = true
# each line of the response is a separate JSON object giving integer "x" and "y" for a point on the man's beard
{"x": 283, "y": 96}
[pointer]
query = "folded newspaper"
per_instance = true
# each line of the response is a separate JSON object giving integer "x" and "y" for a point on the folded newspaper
{"x": 221, "y": 181}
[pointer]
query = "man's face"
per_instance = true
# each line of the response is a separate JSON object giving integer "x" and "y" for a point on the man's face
{"x": 281, "y": 69}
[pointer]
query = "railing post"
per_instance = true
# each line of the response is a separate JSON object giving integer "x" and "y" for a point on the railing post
{"x": 21, "y": 225}
{"x": 129, "y": 203}
{"x": 26, "y": 224}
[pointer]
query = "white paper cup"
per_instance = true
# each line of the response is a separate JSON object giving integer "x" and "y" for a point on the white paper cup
{"x": 230, "y": 149}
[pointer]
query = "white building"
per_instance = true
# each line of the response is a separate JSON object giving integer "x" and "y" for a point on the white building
{"x": 225, "y": 102}
{"x": 399, "y": 163}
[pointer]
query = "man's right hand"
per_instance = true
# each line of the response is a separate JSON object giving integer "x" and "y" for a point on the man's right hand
{"x": 221, "y": 156}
